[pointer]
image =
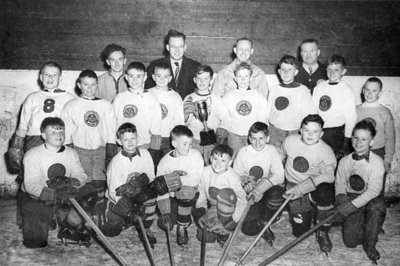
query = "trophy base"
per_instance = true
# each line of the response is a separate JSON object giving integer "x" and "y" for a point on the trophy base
{"x": 207, "y": 137}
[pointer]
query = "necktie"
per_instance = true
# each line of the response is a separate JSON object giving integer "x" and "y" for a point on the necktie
{"x": 176, "y": 73}
{"x": 310, "y": 69}
{"x": 360, "y": 157}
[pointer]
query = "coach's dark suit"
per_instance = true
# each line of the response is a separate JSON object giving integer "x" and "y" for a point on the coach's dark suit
{"x": 185, "y": 78}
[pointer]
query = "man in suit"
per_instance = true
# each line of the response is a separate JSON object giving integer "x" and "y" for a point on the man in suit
{"x": 182, "y": 68}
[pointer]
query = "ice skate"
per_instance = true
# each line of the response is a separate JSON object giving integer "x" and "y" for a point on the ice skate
{"x": 269, "y": 236}
{"x": 182, "y": 236}
{"x": 221, "y": 239}
{"x": 324, "y": 242}
{"x": 73, "y": 237}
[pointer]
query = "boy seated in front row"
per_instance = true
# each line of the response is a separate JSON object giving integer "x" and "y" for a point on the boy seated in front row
{"x": 334, "y": 100}
{"x": 260, "y": 168}
{"x": 90, "y": 129}
{"x": 288, "y": 103}
{"x": 52, "y": 175}
{"x": 130, "y": 163}
{"x": 187, "y": 162}
{"x": 358, "y": 186}
{"x": 245, "y": 106}
{"x": 219, "y": 188}
{"x": 309, "y": 170}
{"x": 385, "y": 139}
{"x": 140, "y": 108}
{"x": 171, "y": 104}
{"x": 216, "y": 111}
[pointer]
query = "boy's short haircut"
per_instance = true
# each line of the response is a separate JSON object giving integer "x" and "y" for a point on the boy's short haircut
{"x": 310, "y": 41}
{"x": 87, "y": 73}
{"x": 288, "y": 59}
{"x": 259, "y": 127}
{"x": 175, "y": 34}
{"x": 50, "y": 64}
{"x": 181, "y": 130}
{"x": 365, "y": 124}
{"x": 376, "y": 80}
{"x": 204, "y": 69}
{"x": 336, "y": 60}
{"x": 55, "y": 122}
{"x": 244, "y": 39}
{"x": 222, "y": 149}
{"x": 243, "y": 65}
{"x": 313, "y": 118}
{"x": 136, "y": 65}
{"x": 124, "y": 128}
{"x": 162, "y": 65}
{"x": 111, "y": 48}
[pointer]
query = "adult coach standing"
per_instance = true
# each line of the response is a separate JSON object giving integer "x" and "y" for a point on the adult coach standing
{"x": 311, "y": 72}
{"x": 182, "y": 68}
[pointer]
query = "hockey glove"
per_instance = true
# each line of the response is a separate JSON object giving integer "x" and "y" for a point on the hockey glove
{"x": 300, "y": 189}
{"x": 133, "y": 187}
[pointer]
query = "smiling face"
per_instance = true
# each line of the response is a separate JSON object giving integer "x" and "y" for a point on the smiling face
{"x": 309, "y": 53}
{"x": 176, "y": 47}
{"x": 335, "y": 72}
{"x": 220, "y": 162}
{"x": 53, "y": 137}
{"x": 287, "y": 73}
{"x": 50, "y": 78}
{"x": 135, "y": 78}
{"x": 372, "y": 91}
{"x": 311, "y": 133}
{"x": 258, "y": 140}
{"x": 203, "y": 81}
{"x": 88, "y": 86}
{"x": 182, "y": 145}
{"x": 361, "y": 141}
{"x": 162, "y": 77}
{"x": 243, "y": 50}
{"x": 242, "y": 78}
{"x": 128, "y": 141}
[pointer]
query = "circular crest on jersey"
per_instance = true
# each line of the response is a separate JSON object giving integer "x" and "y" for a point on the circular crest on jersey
{"x": 243, "y": 108}
{"x": 130, "y": 111}
{"x": 325, "y": 103}
{"x": 370, "y": 120}
{"x": 257, "y": 172}
{"x": 300, "y": 164}
{"x": 92, "y": 118}
{"x": 54, "y": 170}
{"x": 281, "y": 103}
{"x": 164, "y": 111}
{"x": 356, "y": 183}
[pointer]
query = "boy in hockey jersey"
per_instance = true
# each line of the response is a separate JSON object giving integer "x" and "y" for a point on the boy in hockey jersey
{"x": 216, "y": 110}
{"x": 385, "y": 139}
{"x": 288, "y": 103}
{"x": 334, "y": 100}
{"x": 49, "y": 101}
{"x": 309, "y": 171}
{"x": 358, "y": 184}
{"x": 219, "y": 188}
{"x": 188, "y": 162}
{"x": 52, "y": 175}
{"x": 112, "y": 82}
{"x": 260, "y": 168}
{"x": 140, "y": 108}
{"x": 245, "y": 106}
{"x": 170, "y": 103}
{"x": 130, "y": 163}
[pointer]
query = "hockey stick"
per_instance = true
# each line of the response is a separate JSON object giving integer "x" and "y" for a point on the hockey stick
{"x": 146, "y": 241}
{"x": 203, "y": 247}
{"x": 169, "y": 244}
{"x": 297, "y": 240}
{"x": 100, "y": 234}
{"x": 234, "y": 234}
{"x": 264, "y": 229}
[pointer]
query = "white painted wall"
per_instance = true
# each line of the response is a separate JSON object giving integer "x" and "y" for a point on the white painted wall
{"x": 15, "y": 85}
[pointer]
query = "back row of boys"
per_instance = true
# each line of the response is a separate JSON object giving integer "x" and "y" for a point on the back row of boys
{"x": 90, "y": 126}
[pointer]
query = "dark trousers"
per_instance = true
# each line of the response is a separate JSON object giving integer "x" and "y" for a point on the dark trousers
{"x": 334, "y": 137}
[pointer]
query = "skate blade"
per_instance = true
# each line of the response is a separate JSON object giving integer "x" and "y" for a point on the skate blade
{"x": 66, "y": 243}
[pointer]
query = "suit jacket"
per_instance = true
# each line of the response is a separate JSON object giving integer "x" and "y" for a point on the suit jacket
{"x": 185, "y": 79}
{"x": 310, "y": 81}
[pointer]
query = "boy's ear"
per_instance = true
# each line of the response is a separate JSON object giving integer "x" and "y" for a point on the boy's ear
{"x": 234, "y": 50}
{"x": 318, "y": 52}
{"x": 371, "y": 143}
{"x": 268, "y": 138}
{"x": 322, "y": 133}
{"x": 119, "y": 142}
{"x": 251, "y": 51}
{"x": 145, "y": 77}
{"x": 230, "y": 162}
{"x": 194, "y": 80}
{"x": 153, "y": 77}
{"x": 170, "y": 78}
{"x": 43, "y": 135}
{"x": 108, "y": 62}
{"x": 79, "y": 85}
{"x": 173, "y": 143}
{"x": 296, "y": 72}
{"x": 124, "y": 61}
{"x": 344, "y": 71}
{"x": 167, "y": 47}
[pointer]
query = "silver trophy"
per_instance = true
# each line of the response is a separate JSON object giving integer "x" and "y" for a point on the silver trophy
{"x": 207, "y": 136}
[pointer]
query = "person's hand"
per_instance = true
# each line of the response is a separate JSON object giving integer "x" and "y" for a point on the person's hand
{"x": 293, "y": 191}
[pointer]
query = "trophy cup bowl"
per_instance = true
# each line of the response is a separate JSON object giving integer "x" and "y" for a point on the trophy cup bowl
{"x": 207, "y": 136}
